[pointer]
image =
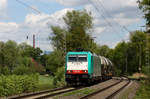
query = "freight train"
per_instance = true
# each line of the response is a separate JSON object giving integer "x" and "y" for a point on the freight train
{"x": 86, "y": 67}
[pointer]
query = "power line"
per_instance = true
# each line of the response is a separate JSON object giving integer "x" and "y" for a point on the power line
{"x": 39, "y": 12}
{"x": 98, "y": 10}
{"x": 123, "y": 27}
{"x": 36, "y": 10}
{"x": 101, "y": 14}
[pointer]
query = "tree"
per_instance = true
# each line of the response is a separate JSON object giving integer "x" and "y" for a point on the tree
{"x": 76, "y": 35}
{"x": 144, "y": 5}
{"x": 58, "y": 37}
{"x": 138, "y": 41}
{"x": 11, "y": 55}
{"x": 119, "y": 56}
{"x": 54, "y": 61}
{"x": 131, "y": 53}
{"x": 29, "y": 51}
{"x": 1, "y": 54}
{"x": 78, "y": 24}
{"x": 103, "y": 50}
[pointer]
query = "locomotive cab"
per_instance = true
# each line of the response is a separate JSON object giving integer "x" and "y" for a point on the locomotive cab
{"x": 76, "y": 69}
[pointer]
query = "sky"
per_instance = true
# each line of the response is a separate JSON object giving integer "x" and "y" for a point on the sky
{"x": 110, "y": 19}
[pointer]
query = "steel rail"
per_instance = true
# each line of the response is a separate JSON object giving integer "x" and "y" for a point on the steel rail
{"x": 101, "y": 90}
{"x": 119, "y": 90}
{"x": 36, "y": 93}
{"x": 58, "y": 93}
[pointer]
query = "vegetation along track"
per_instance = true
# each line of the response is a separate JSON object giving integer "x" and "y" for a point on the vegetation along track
{"x": 42, "y": 94}
{"x": 106, "y": 88}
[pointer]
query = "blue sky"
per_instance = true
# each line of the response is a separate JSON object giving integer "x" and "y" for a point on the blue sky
{"x": 17, "y": 21}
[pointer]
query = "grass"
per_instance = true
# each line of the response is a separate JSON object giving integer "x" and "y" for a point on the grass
{"x": 45, "y": 82}
{"x": 45, "y": 79}
{"x": 144, "y": 91}
{"x": 80, "y": 92}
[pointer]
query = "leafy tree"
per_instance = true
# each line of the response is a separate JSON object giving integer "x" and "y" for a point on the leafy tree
{"x": 1, "y": 54}
{"x": 10, "y": 54}
{"x": 120, "y": 56}
{"x": 29, "y": 51}
{"x": 103, "y": 50}
{"x": 144, "y": 5}
{"x": 58, "y": 37}
{"x": 138, "y": 42}
{"x": 131, "y": 53}
{"x": 54, "y": 61}
{"x": 13, "y": 55}
{"x": 79, "y": 24}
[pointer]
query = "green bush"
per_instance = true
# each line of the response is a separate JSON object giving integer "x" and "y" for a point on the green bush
{"x": 21, "y": 70}
{"x": 15, "y": 84}
{"x": 39, "y": 69}
{"x": 5, "y": 70}
{"x": 143, "y": 91}
{"x": 59, "y": 78}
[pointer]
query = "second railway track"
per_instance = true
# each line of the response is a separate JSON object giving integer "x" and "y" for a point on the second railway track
{"x": 105, "y": 93}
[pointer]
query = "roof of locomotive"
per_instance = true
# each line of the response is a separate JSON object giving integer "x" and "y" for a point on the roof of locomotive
{"x": 81, "y": 52}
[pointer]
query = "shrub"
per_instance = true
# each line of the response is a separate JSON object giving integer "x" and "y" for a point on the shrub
{"x": 21, "y": 70}
{"x": 5, "y": 70}
{"x": 59, "y": 78}
{"x": 39, "y": 69}
{"x": 15, "y": 84}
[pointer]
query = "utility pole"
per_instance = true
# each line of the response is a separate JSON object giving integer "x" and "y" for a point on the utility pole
{"x": 65, "y": 48}
{"x": 140, "y": 58}
{"x": 147, "y": 49}
{"x": 33, "y": 40}
{"x": 126, "y": 61}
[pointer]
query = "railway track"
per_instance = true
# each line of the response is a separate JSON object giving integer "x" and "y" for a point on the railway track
{"x": 44, "y": 94}
{"x": 57, "y": 93}
{"x": 108, "y": 96}
{"x": 54, "y": 92}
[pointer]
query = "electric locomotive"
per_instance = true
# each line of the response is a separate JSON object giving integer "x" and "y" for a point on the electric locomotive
{"x": 86, "y": 67}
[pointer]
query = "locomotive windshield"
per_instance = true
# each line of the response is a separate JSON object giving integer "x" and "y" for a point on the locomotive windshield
{"x": 72, "y": 59}
{"x": 82, "y": 59}
{"x": 77, "y": 58}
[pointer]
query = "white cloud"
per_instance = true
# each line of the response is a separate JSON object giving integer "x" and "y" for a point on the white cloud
{"x": 3, "y": 9}
{"x": 33, "y": 24}
{"x": 98, "y": 30}
{"x": 11, "y": 25}
{"x": 72, "y": 2}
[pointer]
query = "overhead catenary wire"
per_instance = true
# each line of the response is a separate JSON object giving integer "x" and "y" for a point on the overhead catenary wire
{"x": 36, "y": 10}
{"x": 122, "y": 26}
{"x": 25, "y": 4}
{"x": 99, "y": 11}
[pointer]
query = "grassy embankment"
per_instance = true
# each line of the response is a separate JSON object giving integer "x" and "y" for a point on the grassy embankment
{"x": 144, "y": 90}
{"x": 45, "y": 82}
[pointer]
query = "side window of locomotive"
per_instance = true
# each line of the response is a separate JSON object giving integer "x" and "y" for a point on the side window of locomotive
{"x": 72, "y": 59}
{"x": 82, "y": 59}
